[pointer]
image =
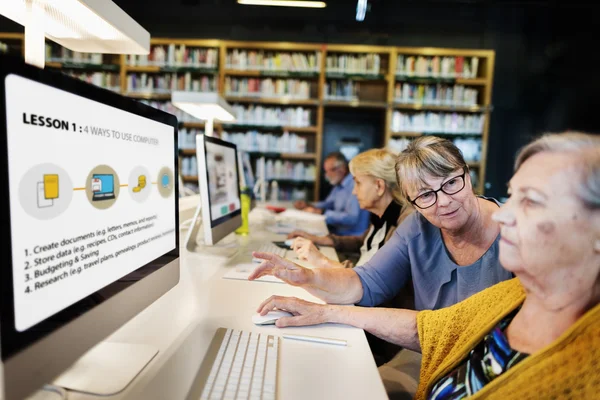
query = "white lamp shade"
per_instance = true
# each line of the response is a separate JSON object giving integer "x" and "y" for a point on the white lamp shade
{"x": 206, "y": 106}
{"x": 92, "y": 26}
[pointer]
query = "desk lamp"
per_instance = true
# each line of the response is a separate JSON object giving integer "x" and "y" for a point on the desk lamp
{"x": 206, "y": 106}
{"x": 92, "y": 26}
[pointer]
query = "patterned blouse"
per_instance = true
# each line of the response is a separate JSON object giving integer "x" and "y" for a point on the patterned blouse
{"x": 488, "y": 360}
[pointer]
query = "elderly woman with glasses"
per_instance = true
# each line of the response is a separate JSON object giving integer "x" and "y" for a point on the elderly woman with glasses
{"x": 536, "y": 336}
{"x": 449, "y": 248}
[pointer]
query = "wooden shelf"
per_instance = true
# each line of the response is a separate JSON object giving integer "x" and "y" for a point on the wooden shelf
{"x": 427, "y": 107}
{"x": 451, "y": 134}
{"x": 287, "y": 156}
{"x": 292, "y": 182}
{"x": 149, "y": 96}
{"x": 170, "y": 69}
{"x": 447, "y": 80}
{"x": 273, "y": 74}
{"x": 272, "y": 128}
{"x": 274, "y": 100}
{"x": 406, "y": 134}
{"x": 355, "y": 103}
{"x": 189, "y": 178}
{"x": 187, "y": 152}
{"x": 356, "y": 76}
{"x": 83, "y": 66}
{"x": 474, "y": 164}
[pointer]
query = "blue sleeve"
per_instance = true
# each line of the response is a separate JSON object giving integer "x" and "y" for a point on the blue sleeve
{"x": 326, "y": 204}
{"x": 348, "y": 216}
{"x": 386, "y": 273}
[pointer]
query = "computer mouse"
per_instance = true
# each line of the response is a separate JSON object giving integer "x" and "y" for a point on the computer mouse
{"x": 289, "y": 242}
{"x": 270, "y": 317}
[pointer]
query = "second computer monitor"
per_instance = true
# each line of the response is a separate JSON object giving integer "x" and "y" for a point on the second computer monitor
{"x": 218, "y": 176}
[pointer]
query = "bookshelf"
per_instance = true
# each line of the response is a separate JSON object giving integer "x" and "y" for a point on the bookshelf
{"x": 275, "y": 89}
{"x": 442, "y": 92}
{"x": 281, "y": 92}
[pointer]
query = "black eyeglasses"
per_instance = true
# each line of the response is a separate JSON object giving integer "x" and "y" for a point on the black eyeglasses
{"x": 450, "y": 187}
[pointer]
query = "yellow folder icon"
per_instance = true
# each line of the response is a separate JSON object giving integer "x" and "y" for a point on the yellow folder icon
{"x": 51, "y": 186}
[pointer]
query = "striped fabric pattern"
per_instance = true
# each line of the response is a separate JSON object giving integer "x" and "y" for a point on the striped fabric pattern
{"x": 489, "y": 359}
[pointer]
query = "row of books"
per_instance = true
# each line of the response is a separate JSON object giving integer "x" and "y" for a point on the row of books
{"x": 469, "y": 147}
{"x": 434, "y": 122}
{"x": 168, "y": 107}
{"x": 166, "y": 83}
{"x": 288, "y": 170}
{"x": 457, "y": 95}
{"x": 265, "y": 60}
{"x": 354, "y": 63}
{"x": 253, "y": 141}
{"x": 436, "y": 66}
{"x": 177, "y": 56}
{"x": 253, "y": 87}
{"x": 107, "y": 80}
{"x": 341, "y": 90}
{"x": 56, "y": 53}
{"x": 288, "y": 193}
{"x": 189, "y": 166}
{"x": 275, "y": 116}
{"x": 187, "y": 138}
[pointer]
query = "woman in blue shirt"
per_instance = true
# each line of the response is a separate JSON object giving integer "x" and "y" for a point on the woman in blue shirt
{"x": 448, "y": 248}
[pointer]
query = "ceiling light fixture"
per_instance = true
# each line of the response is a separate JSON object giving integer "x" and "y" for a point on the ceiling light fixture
{"x": 284, "y": 3}
{"x": 361, "y": 10}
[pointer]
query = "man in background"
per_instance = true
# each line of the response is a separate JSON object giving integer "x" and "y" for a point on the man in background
{"x": 342, "y": 212}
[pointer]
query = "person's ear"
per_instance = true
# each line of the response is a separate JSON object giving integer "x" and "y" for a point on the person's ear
{"x": 380, "y": 187}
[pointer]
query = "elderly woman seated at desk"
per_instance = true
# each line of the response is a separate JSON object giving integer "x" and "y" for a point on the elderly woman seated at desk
{"x": 449, "y": 247}
{"x": 536, "y": 336}
{"x": 377, "y": 191}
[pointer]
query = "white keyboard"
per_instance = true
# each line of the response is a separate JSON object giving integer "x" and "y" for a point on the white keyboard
{"x": 238, "y": 365}
{"x": 269, "y": 248}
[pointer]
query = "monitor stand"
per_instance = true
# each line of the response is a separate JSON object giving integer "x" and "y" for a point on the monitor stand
{"x": 196, "y": 244}
{"x": 105, "y": 370}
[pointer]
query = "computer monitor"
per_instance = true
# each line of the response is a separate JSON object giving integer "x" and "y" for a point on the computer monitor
{"x": 220, "y": 210}
{"x": 90, "y": 213}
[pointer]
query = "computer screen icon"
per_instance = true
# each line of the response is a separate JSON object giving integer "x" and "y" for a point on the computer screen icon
{"x": 103, "y": 187}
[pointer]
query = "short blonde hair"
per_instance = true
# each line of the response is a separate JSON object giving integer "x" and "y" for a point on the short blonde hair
{"x": 587, "y": 148}
{"x": 427, "y": 156}
{"x": 378, "y": 163}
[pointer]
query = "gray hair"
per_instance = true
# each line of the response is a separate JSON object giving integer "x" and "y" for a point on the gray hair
{"x": 378, "y": 163}
{"x": 587, "y": 149}
{"x": 427, "y": 156}
{"x": 339, "y": 157}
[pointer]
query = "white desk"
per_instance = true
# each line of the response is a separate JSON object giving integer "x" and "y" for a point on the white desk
{"x": 182, "y": 323}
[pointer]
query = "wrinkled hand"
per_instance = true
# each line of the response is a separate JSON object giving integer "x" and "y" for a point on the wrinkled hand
{"x": 300, "y": 204}
{"x": 313, "y": 210}
{"x": 306, "y": 250}
{"x": 305, "y": 312}
{"x": 281, "y": 268}
{"x": 298, "y": 233}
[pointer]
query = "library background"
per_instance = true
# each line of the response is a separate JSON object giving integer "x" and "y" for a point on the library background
{"x": 486, "y": 75}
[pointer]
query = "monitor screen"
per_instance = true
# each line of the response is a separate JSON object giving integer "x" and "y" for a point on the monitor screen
{"x": 223, "y": 180}
{"x": 91, "y": 200}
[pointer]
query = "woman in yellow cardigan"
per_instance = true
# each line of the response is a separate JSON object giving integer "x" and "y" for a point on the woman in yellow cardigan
{"x": 533, "y": 337}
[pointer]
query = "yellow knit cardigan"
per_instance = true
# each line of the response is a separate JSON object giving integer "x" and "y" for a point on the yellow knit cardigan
{"x": 569, "y": 368}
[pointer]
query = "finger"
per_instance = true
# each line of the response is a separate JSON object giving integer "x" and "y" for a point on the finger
{"x": 265, "y": 268}
{"x": 266, "y": 306}
{"x": 264, "y": 256}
